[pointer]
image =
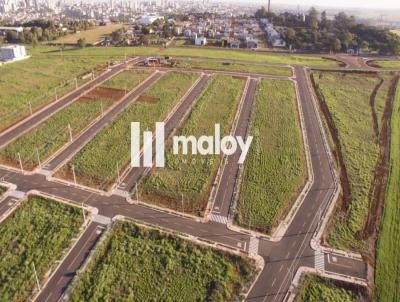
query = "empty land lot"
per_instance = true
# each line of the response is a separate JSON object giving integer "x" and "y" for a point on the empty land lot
{"x": 103, "y": 158}
{"x": 275, "y": 169}
{"x": 91, "y": 35}
{"x": 188, "y": 178}
{"x": 36, "y": 81}
{"x": 127, "y": 79}
{"x": 355, "y": 116}
{"x": 248, "y": 56}
{"x": 140, "y": 264}
{"x": 316, "y": 289}
{"x": 48, "y": 137}
{"x": 387, "y": 277}
{"x": 37, "y": 232}
{"x": 237, "y": 67}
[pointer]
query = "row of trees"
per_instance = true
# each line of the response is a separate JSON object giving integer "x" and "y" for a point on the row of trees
{"x": 316, "y": 32}
{"x": 43, "y": 30}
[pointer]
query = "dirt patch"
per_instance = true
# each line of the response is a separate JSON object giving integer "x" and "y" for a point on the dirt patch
{"x": 373, "y": 111}
{"x": 377, "y": 196}
{"x": 337, "y": 152}
{"x": 148, "y": 99}
{"x": 239, "y": 78}
{"x": 104, "y": 93}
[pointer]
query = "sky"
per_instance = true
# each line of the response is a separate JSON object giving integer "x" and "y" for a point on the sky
{"x": 376, "y": 4}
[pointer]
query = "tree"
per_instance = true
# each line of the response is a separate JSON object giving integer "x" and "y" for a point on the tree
{"x": 336, "y": 45}
{"x": 313, "y": 21}
{"x": 290, "y": 36}
{"x": 82, "y": 42}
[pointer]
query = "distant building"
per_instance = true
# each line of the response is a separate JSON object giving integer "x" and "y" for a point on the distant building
{"x": 147, "y": 20}
{"x": 201, "y": 41}
{"x": 12, "y": 52}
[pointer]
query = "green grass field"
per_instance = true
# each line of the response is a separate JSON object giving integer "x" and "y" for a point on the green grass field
{"x": 140, "y": 264}
{"x": 91, "y": 35}
{"x": 390, "y": 64}
{"x": 317, "y": 289}
{"x": 36, "y": 80}
{"x": 239, "y": 67}
{"x": 127, "y": 79}
{"x": 275, "y": 169}
{"x": 387, "y": 278}
{"x": 352, "y": 115}
{"x": 52, "y": 134}
{"x": 190, "y": 176}
{"x": 38, "y": 231}
{"x": 96, "y": 165}
{"x": 251, "y": 56}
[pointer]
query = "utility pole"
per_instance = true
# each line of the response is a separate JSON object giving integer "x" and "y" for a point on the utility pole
{"x": 70, "y": 132}
{"x": 83, "y": 212}
{"x": 36, "y": 276}
{"x": 73, "y": 173}
{"x": 101, "y": 106}
{"x": 20, "y": 162}
{"x": 76, "y": 83}
{"x": 38, "y": 157}
{"x": 137, "y": 193}
{"x": 183, "y": 207}
{"x": 55, "y": 91}
{"x": 30, "y": 108}
{"x": 118, "y": 172}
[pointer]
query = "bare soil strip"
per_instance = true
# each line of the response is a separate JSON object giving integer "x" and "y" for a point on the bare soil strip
{"x": 105, "y": 93}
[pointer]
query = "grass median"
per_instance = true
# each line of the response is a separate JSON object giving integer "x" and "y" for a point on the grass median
{"x": 275, "y": 169}
{"x": 103, "y": 158}
{"x": 140, "y": 264}
{"x": 38, "y": 232}
{"x": 185, "y": 182}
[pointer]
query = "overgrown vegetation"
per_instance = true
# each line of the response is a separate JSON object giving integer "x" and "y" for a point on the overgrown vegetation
{"x": 52, "y": 134}
{"x": 100, "y": 161}
{"x": 387, "y": 278}
{"x": 358, "y": 147}
{"x": 239, "y": 67}
{"x": 139, "y": 264}
{"x": 185, "y": 182}
{"x": 317, "y": 289}
{"x": 275, "y": 169}
{"x": 37, "y": 232}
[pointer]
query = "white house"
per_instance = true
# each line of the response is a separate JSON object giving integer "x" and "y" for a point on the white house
{"x": 12, "y": 52}
{"x": 200, "y": 41}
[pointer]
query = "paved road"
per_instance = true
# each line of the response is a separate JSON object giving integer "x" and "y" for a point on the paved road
{"x": 224, "y": 195}
{"x": 27, "y": 124}
{"x": 129, "y": 180}
{"x": 85, "y": 137}
{"x": 57, "y": 285}
{"x": 282, "y": 258}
